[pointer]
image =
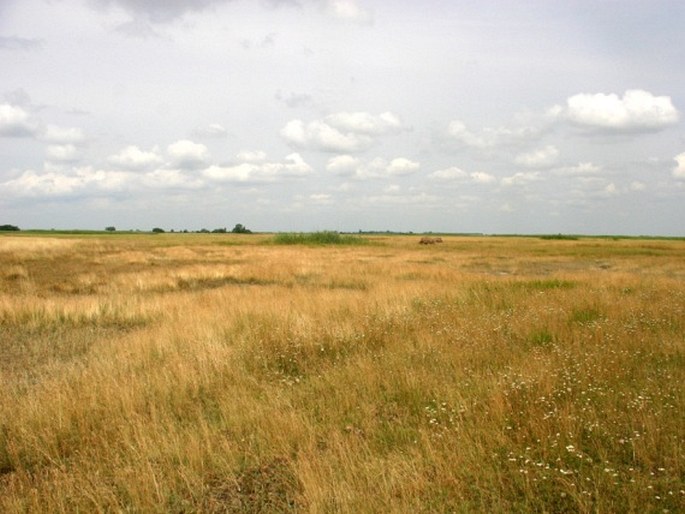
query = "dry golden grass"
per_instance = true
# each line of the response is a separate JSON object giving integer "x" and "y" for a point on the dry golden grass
{"x": 221, "y": 373}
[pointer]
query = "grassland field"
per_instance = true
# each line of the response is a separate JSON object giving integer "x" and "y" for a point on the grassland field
{"x": 227, "y": 373}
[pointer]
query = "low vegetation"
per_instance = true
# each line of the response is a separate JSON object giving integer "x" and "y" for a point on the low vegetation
{"x": 326, "y": 237}
{"x": 171, "y": 373}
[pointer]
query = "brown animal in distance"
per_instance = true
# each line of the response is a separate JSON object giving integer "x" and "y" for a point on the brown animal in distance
{"x": 430, "y": 240}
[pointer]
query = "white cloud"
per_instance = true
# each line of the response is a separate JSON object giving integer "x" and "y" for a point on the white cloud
{"x": 347, "y": 132}
{"x": 344, "y": 165}
{"x": 293, "y": 166}
{"x": 187, "y": 154}
{"x": 636, "y": 185}
{"x": 63, "y": 135}
{"x": 317, "y": 135}
{"x": 16, "y": 122}
{"x": 213, "y": 130}
{"x": 68, "y": 182}
{"x": 421, "y": 198}
{"x": 321, "y": 198}
{"x": 583, "y": 168}
{"x": 448, "y": 174}
{"x": 402, "y": 166}
{"x": 489, "y": 137}
{"x": 348, "y": 166}
{"x": 521, "y": 178}
{"x": 540, "y": 158}
{"x": 366, "y": 123}
{"x": 169, "y": 179}
{"x": 348, "y": 10}
{"x": 610, "y": 190}
{"x": 635, "y": 111}
{"x": 247, "y": 156}
{"x": 679, "y": 170}
{"x": 455, "y": 174}
{"x": 62, "y": 153}
{"x": 480, "y": 177}
{"x": 133, "y": 158}
{"x": 64, "y": 184}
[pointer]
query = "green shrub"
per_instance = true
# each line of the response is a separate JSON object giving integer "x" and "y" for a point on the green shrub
{"x": 326, "y": 237}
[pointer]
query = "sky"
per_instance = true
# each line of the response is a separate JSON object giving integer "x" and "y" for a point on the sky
{"x": 534, "y": 116}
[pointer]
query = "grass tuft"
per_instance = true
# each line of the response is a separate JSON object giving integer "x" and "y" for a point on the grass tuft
{"x": 326, "y": 237}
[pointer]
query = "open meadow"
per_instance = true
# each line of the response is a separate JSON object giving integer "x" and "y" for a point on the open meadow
{"x": 227, "y": 373}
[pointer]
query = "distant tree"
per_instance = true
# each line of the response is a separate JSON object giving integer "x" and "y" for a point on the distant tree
{"x": 110, "y": 229}
{"x": 158, "y": 230}
{"x": 9, "y": 228}
{"x": 203, "y": 231}
{"x": 240, "y": 229}
{"x": 219, "y": 231}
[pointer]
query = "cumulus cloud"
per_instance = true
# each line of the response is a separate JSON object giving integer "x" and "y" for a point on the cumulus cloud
{"x": 317, "y": 135}
{"x": 419, "y": 198}
{"x": 679, "y": 170}
{"x": 636, "y": 111}
{"x": 321, "y": 198}
{"x": 448, "y": 174}
{"x": 213, "y": 130}
{"x": 187, "y": 154}
{"x": 541, "y": 158}
{"x": 293, "y": 166}
{"x": 64, "y": 184}
{"x": 62, "y": 153}
{"x": 343, "y": 132}
{"x": 348, "y": 10}
{"x": 480, "y": 177}
{"x": 489, "y": 137}
{"x": 609, "y": 190}
{"x": 366, "y": 123}
{"x": 344, "y": 165}
{"x": 63, "y": 135}
{"x": 454, "y": 174}
{"x": 402, "y": 166}
{"x": 16, "y": 122}
{"x": 348, "y": 166}
{"x": 133, "y": 158}
{"x": 248, "y": 156}
{"x": 169, "y": 179}
{"x": 521, "y": 178}
{"x": 82, "y": 181}
{"x": 583, "y": 168}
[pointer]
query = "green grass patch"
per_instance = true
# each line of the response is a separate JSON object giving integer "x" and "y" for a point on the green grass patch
{"x": 541, "y": 338}
{"x": 544, "y": 285}
{"x": 585, "y": 315}
{"x": 327, "y": 237}
{"x": 196, "y": 284}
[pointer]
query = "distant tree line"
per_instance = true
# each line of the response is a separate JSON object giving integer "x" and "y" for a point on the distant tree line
{"x": 9, "y": 228}
{"x": 238, "y": 229}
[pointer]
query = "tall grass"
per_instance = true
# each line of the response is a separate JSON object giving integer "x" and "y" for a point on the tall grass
{"x": 326, "y": 237}
{"x": 495, "y": 375}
